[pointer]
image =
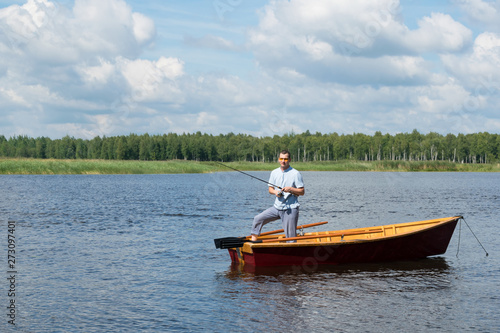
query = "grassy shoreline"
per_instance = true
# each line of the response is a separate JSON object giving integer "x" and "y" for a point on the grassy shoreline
{"x": 25, "y": 166}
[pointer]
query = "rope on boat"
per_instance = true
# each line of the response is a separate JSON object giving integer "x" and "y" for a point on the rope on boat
{"x": 459, "y": 229}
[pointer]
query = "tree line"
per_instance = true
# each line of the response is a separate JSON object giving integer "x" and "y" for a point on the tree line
{"x": 463, "y": 148}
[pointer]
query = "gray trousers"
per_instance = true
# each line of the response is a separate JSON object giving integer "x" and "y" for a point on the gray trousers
{"x": 289, "y": 219}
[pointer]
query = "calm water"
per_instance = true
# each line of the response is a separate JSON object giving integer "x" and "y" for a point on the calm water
{"x": 135, "y": 253}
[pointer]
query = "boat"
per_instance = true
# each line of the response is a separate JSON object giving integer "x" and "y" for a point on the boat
{"x": 385, "y": 243}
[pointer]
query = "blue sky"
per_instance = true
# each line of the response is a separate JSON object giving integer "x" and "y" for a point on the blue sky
{"x": 112, "y": 67}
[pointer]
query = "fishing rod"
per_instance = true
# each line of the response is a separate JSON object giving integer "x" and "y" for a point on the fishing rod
{"x": 262, "y": 180}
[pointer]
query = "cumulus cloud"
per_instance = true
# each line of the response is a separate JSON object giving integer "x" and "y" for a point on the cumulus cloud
{"x": 345, "y": 66}
{"x": 152, "y": 80}
{"x": 482, "y": 62}
{"x": 438, "y": 33}
{"x": 144, "y": 28}
{"x": 83, "y": 60}
{"x": 110, "y": 26}
{"x": 98, "y": 74}
{"x": 40, "y": 30}
{"x": 355, "y": 42}
{"x": 484, "y": 13}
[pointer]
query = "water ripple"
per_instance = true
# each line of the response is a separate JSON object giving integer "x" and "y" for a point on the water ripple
{"x": 135, "y": 253}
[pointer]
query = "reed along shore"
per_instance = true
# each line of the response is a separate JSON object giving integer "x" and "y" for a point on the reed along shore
{"x": 26, "y": 166}
{"x": 98, "y": 167}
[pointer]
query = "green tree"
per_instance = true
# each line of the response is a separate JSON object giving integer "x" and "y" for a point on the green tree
{"x": 145, "y": 147}
{"x": 121, "y": 148}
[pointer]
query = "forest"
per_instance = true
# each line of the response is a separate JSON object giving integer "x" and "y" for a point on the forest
{"x": 462, "y": 148}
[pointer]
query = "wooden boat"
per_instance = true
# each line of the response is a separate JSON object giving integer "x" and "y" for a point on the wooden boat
{"x": 403, "y": 241}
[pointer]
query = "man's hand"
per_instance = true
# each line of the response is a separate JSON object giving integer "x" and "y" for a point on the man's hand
{"x": 294, "y": 191}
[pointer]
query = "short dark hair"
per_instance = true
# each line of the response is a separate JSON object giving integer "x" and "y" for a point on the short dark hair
{"x": 285, "y": 152}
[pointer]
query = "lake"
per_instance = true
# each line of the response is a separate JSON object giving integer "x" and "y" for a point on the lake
{"x": 135, "y": 253}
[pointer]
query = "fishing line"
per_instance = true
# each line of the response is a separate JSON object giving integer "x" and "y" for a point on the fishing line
{"x": 262, "y": 180}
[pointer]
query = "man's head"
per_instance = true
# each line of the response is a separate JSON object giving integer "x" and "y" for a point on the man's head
{"x": 284, "y": 159}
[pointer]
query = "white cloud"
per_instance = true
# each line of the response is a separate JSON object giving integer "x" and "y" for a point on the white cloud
{"x": 99, "y": 74}
{"x": 41, "y": 30}
{"x": 438, "y": 33}
{"x": 12, "y": 96}
{"x": 110, "y": 27}
{"x": 144, "y": 28}
{"x": 205, "y": 119}
{"x": 484, "y": 13}
{"x": 321, "y": 65}
{"x": 481, "y": 66}
{"x": 153, "y": 80}
{"x": 22, "y": 23}
{"x": 54, "y": 58}
{"x": 355, "y": 42}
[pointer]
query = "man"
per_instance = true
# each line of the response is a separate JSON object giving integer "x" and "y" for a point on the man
{"x": 286, "y": 204}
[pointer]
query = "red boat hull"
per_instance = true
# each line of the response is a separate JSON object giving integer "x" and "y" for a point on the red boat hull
{"x": 417, "y": 245}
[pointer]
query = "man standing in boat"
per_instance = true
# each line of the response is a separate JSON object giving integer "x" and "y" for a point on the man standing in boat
{"x": 286, "y": 204}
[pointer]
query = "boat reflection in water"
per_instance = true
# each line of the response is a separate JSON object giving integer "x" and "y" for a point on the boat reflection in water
{"x": 428, "y": 266}
{"x": 343, "y": 298}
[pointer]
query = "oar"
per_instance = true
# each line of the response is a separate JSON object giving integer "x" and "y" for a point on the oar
{"x": 229, "y": 242}
{"x": 298, "y": 227}
{"x": 232, "y": 242}
{"x": 316, "y": 236}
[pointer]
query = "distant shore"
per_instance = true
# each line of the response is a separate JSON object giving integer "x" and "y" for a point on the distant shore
{"x": 25, "y": 166}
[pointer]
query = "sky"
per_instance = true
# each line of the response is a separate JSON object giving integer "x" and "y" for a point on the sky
{"x": 88, "y": 68}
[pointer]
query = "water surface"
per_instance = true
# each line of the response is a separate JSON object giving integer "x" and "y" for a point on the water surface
{"x": 128, "y": 253}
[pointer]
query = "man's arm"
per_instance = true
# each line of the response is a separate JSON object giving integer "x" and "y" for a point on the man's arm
{"x": 274, "y": 191}
{"x": 295, "y": 191}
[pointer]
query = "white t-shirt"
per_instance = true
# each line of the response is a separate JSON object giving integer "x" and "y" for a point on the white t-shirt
{"x": 289, "y": 177}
